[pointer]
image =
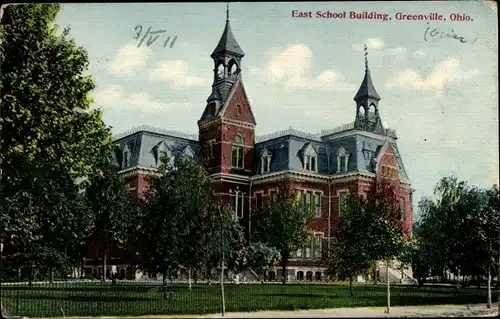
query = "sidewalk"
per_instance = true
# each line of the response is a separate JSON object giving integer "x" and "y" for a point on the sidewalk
{"x": 475, "y": 310}
{"x": 395, "y": 312}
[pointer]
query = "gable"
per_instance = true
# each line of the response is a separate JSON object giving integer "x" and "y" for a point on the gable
{"x": 237, "y": 106}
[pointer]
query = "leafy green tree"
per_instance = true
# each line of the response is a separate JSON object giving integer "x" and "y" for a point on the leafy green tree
{"x": 49, "y": 134}
{"x": 284, "y": 224}
{"x": 261, "y": 257}
{"x": 111, "y": 204}
{"x": 369, "y": 230}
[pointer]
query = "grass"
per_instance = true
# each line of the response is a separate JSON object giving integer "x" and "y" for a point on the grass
{"x": 95, "y": 299}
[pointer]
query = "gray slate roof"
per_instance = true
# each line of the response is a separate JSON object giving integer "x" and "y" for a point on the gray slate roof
{"x": 367, "y": 89}
{"x": 228, "y": 43}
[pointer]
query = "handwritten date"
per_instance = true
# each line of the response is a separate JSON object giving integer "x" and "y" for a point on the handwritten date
{"x": 153, "y": 36}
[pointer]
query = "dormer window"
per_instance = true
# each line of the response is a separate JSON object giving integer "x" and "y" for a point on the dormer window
{"x": 211, "y": 108}
{"x": 237, "y": 152}
{"x": 265, "y": 162}
{"x": 310, "y": 159}
{"x": 126, "y": 156}
{"x": 188, "y": 152}
{"x": 342, "y": 160}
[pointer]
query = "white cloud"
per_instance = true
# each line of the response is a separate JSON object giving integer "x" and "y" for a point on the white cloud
{"x": 129, "y": 60}
{"x": 115, "y": 96}
{"x": 291, "y": 68}
{"x": 177, "y": 73}
{"x": 419, "y": 54}
{"x": 376, "y": 46}
{"x": 445, "y": 73}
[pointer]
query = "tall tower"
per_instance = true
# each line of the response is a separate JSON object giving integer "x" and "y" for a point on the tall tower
{"x": 226, "y": 127}
{"x": 367, "y": 100}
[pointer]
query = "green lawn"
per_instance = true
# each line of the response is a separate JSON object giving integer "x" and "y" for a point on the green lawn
{"x": 94, "y": 299}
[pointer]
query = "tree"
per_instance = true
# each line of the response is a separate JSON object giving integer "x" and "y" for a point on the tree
{"x": 369, "y": 230}
{"x": 284, "y": 224}
{"x": 110, "y": 204}
{"x": 261, "y": 257}
{"x": 46, "y": 123}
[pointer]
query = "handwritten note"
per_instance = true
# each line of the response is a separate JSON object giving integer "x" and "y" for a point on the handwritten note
{"x": 153, "y": 36}
{"x": 436, "y": 33}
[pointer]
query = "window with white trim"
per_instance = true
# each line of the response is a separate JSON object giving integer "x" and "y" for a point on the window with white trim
{"x": 237, "y": 203}
{"x": 237, "y": 152}
{"x": 310, "y": 159}
{"x": 273, "y": 195}
{"x": 311, "y": 250}
{"x": 342, "y": 160}
{"x": 402, "y": 204}
{"x": 311, "y": 200}
{"x": 265, "y": 161}
{"x": 342, "y": 196}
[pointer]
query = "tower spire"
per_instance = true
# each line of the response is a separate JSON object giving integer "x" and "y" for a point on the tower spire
{"x": 227, "y": 11}
{"x": 366, "y": 58}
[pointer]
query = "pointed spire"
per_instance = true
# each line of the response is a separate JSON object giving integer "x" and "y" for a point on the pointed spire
{"x": 366, "y": 58}
{"x": 367, "y": 90}
{"x": 227, "y": 42}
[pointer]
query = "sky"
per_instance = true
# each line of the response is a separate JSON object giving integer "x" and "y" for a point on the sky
{"x": 439, "y": 93}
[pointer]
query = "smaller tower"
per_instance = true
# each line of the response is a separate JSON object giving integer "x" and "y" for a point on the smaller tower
{"x": 367, "y": 103}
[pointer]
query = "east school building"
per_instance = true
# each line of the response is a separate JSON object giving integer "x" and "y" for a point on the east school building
{"x": 246, "y": 168}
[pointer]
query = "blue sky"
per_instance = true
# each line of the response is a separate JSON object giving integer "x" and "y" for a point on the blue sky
{"x": 440, "y": 95}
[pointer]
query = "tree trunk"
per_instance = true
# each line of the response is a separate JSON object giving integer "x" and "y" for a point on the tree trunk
{"x": 104, "y": 264}
{"x": 388, "y": 287}
{"x": 350, "y": 286}
{"x": 189, "y": 279}
{"x": 51, "y": 275}
{"x": 284, "y": 261}
{"x": 164, "y": 285}
{"x": 489, "y": 288}
{"x": 30, "y": 275}
{"x": 222, "y": 285}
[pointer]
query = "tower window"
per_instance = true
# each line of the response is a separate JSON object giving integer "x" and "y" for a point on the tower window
{"x": 234, "y": 69}
{"x": 211, "y": 149}
{"x": 402, "y": 204}
{"x": 237, "y": 152}
{"x": 237, "y": 204}
{"x": 220, "y": 71}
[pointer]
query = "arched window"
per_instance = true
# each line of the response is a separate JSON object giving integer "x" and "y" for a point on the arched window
{"x": 238, "y": 109}
{"x": 342, "y": 160}
{"x": 362, "y": 111}
{"x": 220, "y": 71}
{"x": 233, "y": 68}
{"x": 237, "y": 152}
{"x": 127, "y": 155}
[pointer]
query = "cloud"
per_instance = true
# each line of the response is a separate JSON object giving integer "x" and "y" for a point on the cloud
{"x": 177, "y": 73}
{"x": 376, "y": 46}
{"x": 115, "y": 96}
{"x": 445, "y": 73}
{"x": 291, "y": 68}
{"x": 129, "y": 60}
{"x": 419, "y": 54}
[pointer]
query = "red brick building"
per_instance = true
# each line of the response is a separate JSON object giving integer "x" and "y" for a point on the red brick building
{"x": 246, "y": 168}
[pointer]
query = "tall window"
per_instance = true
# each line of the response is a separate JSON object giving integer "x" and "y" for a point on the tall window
{"x": 211, "y": 149}
{"x": 220, "y": 71}
{"x": 317, "y": 245}
{"x": 237, "y": 153}
{"x": 310, "y": 163}
{"x": 402, "y": 204}
{"x": 237, "y": 204}
{"x": 342, "y": 201}
{"x": 274, "y": 196}
{"x": 259, "y": 201}
{"x": 311, "y": 250}
{"x": 311, "y": 200}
